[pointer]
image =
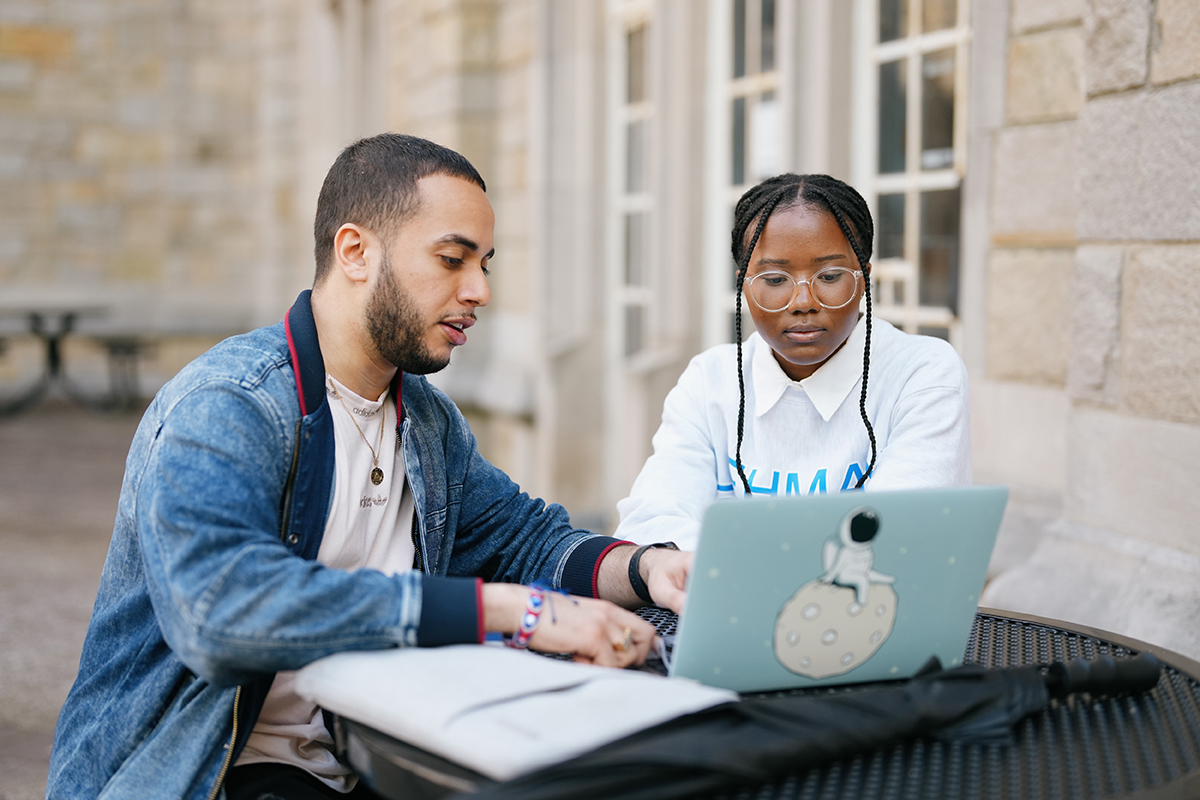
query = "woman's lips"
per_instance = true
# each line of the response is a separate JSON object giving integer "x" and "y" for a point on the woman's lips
{"x": 804, "y": 335}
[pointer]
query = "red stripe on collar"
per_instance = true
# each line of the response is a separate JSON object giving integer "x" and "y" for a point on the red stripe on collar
{"x": 287, "y": 327}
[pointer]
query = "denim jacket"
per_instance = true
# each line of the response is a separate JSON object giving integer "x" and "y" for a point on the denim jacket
{"x": 211, "y": 584}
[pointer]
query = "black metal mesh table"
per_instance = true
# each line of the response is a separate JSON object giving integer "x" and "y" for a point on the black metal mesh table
{"x": 1140, "y": 747}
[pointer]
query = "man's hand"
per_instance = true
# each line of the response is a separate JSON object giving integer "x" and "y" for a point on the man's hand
{"x": 664, "y": 571}
{"x": 592, "y": 631}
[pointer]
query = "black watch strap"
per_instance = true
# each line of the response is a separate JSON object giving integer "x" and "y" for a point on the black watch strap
{"x": 635, "y": 577}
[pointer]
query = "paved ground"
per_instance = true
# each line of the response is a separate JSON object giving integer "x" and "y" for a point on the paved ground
{"x": 60, "y": 472}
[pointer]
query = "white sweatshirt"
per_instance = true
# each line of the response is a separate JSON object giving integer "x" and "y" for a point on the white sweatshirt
{"x": 802, "y": 437}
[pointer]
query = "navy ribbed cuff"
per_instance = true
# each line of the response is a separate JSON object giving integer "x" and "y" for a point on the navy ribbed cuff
{"x": 582, "y": 571}
{"x": 450, "y": 611}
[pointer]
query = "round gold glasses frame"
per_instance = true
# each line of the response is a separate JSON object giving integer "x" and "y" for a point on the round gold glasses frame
{"x": 796, "y": 282}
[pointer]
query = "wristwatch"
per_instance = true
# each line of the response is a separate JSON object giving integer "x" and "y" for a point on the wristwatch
{"x": 635, "y": 577}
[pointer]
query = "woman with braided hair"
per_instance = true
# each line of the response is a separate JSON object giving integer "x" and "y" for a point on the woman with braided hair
{"x": 789, "y": 412}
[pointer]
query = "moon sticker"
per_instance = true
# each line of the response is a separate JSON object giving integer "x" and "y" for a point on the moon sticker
{"x": 837, "y": 621}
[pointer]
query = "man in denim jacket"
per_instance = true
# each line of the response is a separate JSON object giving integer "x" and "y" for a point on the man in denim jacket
{"x": 216, "y": 579}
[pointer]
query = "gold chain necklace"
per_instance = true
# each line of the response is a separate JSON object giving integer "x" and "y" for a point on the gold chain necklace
{"x": 376, "y": 473}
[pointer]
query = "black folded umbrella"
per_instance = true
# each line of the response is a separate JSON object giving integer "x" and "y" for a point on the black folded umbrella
{"x": 762, "y": 739}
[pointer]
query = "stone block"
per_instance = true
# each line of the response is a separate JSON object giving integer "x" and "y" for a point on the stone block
{"x": 476, "y": 144}
{"x": 1160, "y": 342}
{"x": 1095, "y": 324}
{"x": 1134, "y": 477}
{"x": 478, "y": 91}
{"x": 517, "y": 26}
{"x": 1045, "y": 75}
{"x": 444, "y": 44}
{"x": 479, "y": 38}
{"x": 1118, "y": 38}
{"x": 1019, "y": 435}
{"x": 1139, "y": 166}
{"x": 1031, "y": 14}
{"x": 141, "y": 111}
{"x": 1028, "y": 315}
{"x": 1033, "y": 180}
{"x": 14, "y": 244}
{"x": 513, "y": 169}
{"x": 32, "y": 12}
{"x": 137, "y": 266}
{"x": 1025, "y": 519}
{"x": 1108, "y": 583}
{"x": 1175, "y": 48}
{"x": 438, "y": 97}
{"x": 512, "y": 94}
{"x": 146, "y": 227}
{"x": 16, "y": 74}
{"x": 13, "y": 165}
{"x": 40, "y": 42}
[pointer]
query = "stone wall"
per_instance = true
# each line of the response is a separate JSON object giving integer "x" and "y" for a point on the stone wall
{"x": 127, "y": 147}
{"x": 131, "y": 175}
{"x": 1093, "y": 296}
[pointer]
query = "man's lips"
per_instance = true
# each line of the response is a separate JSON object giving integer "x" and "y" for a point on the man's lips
{"x": 455, "y": 328}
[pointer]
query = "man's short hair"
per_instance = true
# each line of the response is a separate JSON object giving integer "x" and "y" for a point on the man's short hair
{"x": 373, "y": 183}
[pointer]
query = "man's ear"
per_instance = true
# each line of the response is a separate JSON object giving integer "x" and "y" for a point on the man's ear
{"x": 350, "y": 245}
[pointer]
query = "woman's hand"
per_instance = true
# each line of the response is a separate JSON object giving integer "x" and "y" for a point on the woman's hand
{"x": 664, "y": 571}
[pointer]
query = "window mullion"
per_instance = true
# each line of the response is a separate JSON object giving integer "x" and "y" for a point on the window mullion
{"x": 912, "y": 200}
{"x": 961, "y": 84}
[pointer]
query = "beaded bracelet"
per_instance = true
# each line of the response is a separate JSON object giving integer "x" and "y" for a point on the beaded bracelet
{"x": 529, "y": 620}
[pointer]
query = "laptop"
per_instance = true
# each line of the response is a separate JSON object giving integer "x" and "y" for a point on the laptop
{"x": 800, "y": 592}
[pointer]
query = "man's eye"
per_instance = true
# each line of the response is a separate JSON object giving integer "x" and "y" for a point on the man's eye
{"x": 454, "y": 262}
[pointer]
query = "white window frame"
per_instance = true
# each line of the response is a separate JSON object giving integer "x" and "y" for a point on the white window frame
{"x": 868, "y": 55}
{"x": 721, "y": 195}
{"x": 657, "y": 347}
{"x": 362, "y": 49}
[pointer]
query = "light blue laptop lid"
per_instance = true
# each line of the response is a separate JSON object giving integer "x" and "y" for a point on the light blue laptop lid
{"x": 798, "y": 592}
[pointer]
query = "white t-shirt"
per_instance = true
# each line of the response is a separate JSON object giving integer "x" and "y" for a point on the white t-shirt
{"x": 802, "y": 437}
{"x": 368, "y": 526}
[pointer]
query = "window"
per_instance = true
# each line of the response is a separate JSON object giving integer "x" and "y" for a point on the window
{"x": 748, "y": 137}
{"x": 909, "y": 154}
{"x": 632, "y": 219}
{"x": 755, "y": 141}
{"x": 360, "y": 47}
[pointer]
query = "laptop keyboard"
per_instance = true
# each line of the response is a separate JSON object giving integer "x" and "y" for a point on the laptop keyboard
{"x": 664, "y": 622}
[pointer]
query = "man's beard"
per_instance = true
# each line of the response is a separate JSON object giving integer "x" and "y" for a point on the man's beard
{"x": 394, "y": 325}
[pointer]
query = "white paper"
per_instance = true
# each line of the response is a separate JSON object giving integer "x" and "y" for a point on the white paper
{"x": 496, "y": 710}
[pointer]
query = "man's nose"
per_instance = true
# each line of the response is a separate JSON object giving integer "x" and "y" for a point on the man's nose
{"x": 474, "y": 288}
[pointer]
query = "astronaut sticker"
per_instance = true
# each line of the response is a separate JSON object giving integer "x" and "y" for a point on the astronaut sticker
{"x": 837, "y": 621}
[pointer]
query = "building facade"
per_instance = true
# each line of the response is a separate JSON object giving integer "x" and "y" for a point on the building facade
{"x": 1032, "y": 165}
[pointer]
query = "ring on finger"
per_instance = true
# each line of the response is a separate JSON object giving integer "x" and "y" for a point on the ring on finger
{"x": 626, "y": 641}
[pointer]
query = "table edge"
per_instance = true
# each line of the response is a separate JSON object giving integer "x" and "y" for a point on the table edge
{"x": 1184, "y": 664}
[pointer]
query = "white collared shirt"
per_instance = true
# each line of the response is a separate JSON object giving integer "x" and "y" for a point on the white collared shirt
{"x": 826, "y": 388}
{"x": 802, "y": 437}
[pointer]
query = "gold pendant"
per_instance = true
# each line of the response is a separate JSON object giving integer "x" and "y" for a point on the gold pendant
{"x": 377, "y": 476}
